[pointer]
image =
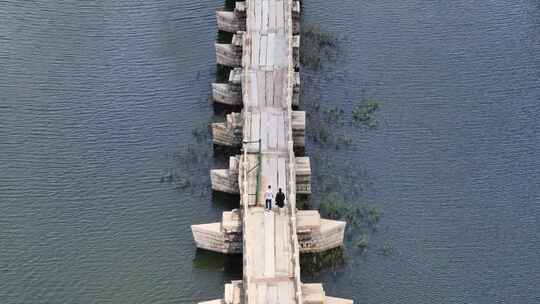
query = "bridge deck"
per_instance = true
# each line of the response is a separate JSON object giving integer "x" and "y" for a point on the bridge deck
{"x": 269, "y": 245}
{"x": 269, "y": 240}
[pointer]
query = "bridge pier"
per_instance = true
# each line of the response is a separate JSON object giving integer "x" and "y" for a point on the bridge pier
{"x": 231, "y": 93}
{"x": 230, "y": 54}
{"x": 234, "y": 21}
{"x": 314, "y": 234}
{"x": 226, "y": 180}
{"x": 311, "y": 294}
{"x": 229, "y": 133}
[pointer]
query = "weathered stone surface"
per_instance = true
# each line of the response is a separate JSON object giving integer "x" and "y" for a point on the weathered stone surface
{"x": 226, "y": 93}
{"x": 296, "y": 10}
{"x": 299, "y": 128}
{"x": 228, "y": 133}
{"x": 224, "y": 237}
{"x": 303, "y": 175}
{"x": 228, "y": 55}
{"x": 333, "y": 300}
{"x": 232, "y": 221}
{"x": 226, "y": 180}
{"x": 229, "y": 93}
{"x": 218, "y": 301}
{"x": 235, "y": 77}
{"x": 240, "y": 9}
{"x": 296, "y": 90}
{"x": 308, "y": 220}
{"x": 313, "y": 293}
{"x": 234, "y": 292}
{"x": 296, "y": 54}
{"x": 230, "y": 22}
{"x": 329, "y": 235}
{"x": 314, "y": 234}
{"x": 211, "y": 237}
{"x": 238, "y": 39}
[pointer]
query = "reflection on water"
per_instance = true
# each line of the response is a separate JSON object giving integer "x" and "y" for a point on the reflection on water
{"x": 211, "y": 261}
{"x": 313, "y": 264}
{"x": 225, "y": 200}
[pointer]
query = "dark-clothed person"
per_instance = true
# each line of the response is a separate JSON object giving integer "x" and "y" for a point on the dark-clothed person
{"x": 280, "y": 199}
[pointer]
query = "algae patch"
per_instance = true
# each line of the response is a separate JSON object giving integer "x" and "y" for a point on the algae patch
{"x": 364, "y": 113}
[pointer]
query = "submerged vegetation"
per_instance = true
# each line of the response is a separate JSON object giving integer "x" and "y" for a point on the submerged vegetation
{"x": 187, "y": 172}
{"x": 313, "y": 263}
{"x": 201, "y": 132}
{"x": 326, "y": 125}
{"x": 213, "y": 261}
{"x": 359, "y": 215}
{"x": 387, "y": 248}
{"x": 316, "y": 46}
{"x": 333, "y": 125}
{"x": 361, "y": 218}
{"x": 363, "y": 241}
{"x": 364, "y": 113}
{"x": 338, "y": 189}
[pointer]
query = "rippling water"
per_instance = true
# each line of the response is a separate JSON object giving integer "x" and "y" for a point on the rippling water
{"x": 99, "y": 100}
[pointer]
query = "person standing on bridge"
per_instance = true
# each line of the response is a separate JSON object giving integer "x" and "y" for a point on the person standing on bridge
{"x": 280, "y": 199}
{"x": 269, "y": 196}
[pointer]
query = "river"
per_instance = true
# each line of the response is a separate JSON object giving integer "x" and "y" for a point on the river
{"x": 105, "y": 160}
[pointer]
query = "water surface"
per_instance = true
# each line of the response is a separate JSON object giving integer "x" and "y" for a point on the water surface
{"x": 99, "y": 100}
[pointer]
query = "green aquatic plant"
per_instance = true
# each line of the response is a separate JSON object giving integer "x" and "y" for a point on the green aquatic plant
{"x": 182, "y": 182}
{"x": 364, "y": 113}
{"x": 314, "y": 263}
{"x": 387, "y": 248}
{"x": 319, "y": 36}
{"x": 333, "y": 207}
{"x": 316, "y": 46}
{"x": 363, "y": 241}
{"x": 323, "y": 134}
{"x": 324, "y": 124}
{"x": 324, "y": 128}
{"x": 374, "y": 215}
{"x": 343, "y": 140}
{"x": 359, "y": 215}
{"x": 201, "y": 132}
{"x": 333, "y": 115}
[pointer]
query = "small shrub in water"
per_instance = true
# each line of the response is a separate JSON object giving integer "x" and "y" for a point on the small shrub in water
{"x": 363, "y": 241}
{"x": 315, "y": 44}
{"x": 333, "y": 115}
{"x": 182, "y": 183}
{"x": 374, "y": 215}
{"x": 344, "y": 140}
{"x": 332, "y": 207}
{"x": 387, "y": 248}
{"x": 314, "y": 263}
{"x": 323, "y": 134}
{"x": 364, "y": 113}
{"x": 200, "y": 132}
